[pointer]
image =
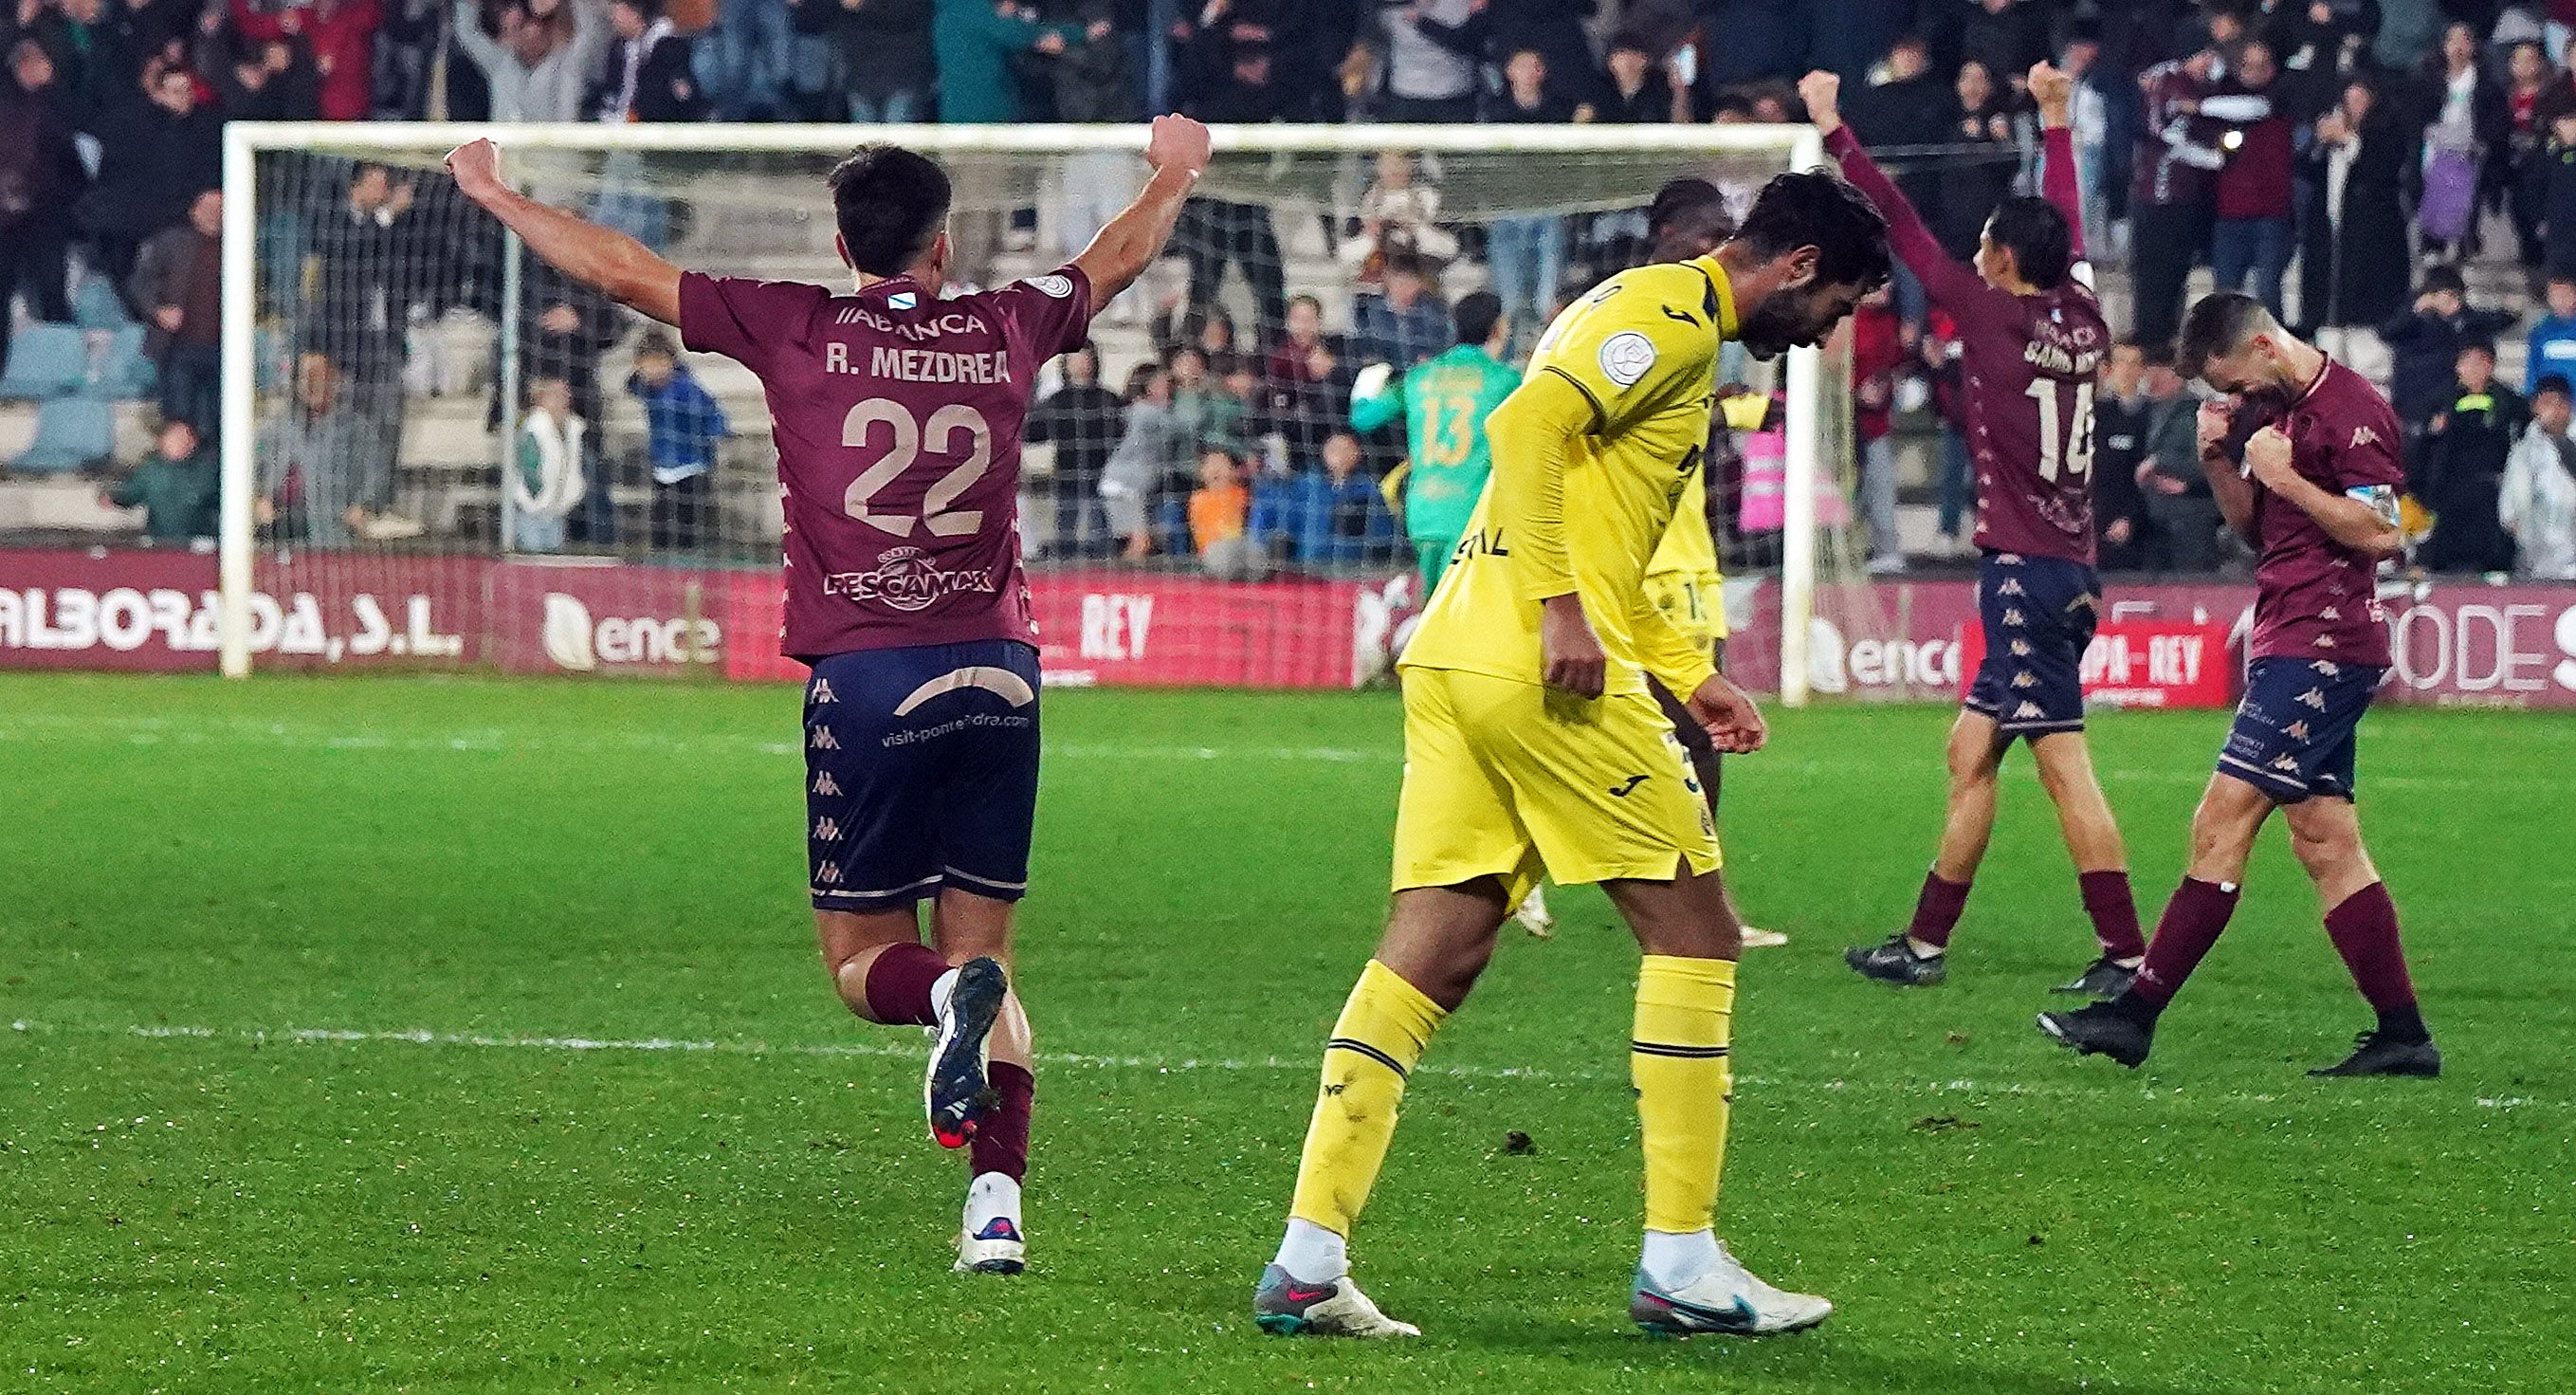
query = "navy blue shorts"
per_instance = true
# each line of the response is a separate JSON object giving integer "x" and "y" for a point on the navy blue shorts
{"x": 921, "y": 769}
{"x": 2296, "y": 727}
{"x": 2038, "y": 614}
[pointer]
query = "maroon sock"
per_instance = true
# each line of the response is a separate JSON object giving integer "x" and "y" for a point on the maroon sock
{"x": 2190, "y": 925}
{"x": 2115, "y": 913}
{"x": 1937, "y": 909}
{"x": 2364, "y": 931}
{"x": 899, "y": 985}
{"x": 1001, "y": 1142}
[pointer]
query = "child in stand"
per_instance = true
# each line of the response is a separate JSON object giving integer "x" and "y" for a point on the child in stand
{"x": 683, "y": 423}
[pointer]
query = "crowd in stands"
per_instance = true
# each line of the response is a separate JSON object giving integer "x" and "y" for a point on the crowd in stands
{"x": 2311, "y": 152}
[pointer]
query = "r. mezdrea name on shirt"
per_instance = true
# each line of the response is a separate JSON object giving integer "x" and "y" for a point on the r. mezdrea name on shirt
{"x": 921, "y": 365}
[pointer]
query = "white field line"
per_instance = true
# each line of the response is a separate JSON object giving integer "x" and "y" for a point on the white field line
{"x": 329, "y": 1036}
{"x": 156, "y": 731}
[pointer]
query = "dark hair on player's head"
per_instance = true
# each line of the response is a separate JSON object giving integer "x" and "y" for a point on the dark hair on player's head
{"x": 2032, "y": 229}
{"x": 2476, "y": 344}
{"x": 653, "y": 343}
{"x": 1687, "y": 197}
{"x": 2552, "y": 382}
{"x": 890, "y": 203}
{"x": 1815, "y": 208}
{"x": 2445, "y": 278}
{"x": 1475, "y": 315}
{"x": 2217, "y": 325}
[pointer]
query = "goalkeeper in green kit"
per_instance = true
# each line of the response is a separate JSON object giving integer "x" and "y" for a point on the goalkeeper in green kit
{"x": 1444, "y": 402}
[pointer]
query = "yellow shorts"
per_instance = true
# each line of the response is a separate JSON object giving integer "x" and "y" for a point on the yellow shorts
{"x": 1503, "y": 778}
{"x": 1694, "y": 601}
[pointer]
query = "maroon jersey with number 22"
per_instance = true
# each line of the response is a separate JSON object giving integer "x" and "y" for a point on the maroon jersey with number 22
{"x": 897, "y": 417}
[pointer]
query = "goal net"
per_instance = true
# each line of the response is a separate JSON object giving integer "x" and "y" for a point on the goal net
{"x": 439, "y": 452}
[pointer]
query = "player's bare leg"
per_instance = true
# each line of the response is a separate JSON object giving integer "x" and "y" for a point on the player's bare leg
{"x": 992, "y": 1239}
{"x": 2223, "y": 830}
{"x": 1914, "y": 956}
{"x": 1437, "y": 942}
{"x": 2362, "y": 921}
{"x": 2065, "y": 763}
{"x": 1678, "y": 1060}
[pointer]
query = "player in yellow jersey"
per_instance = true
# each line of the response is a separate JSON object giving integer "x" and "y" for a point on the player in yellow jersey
{"x": 1531, "y": 745}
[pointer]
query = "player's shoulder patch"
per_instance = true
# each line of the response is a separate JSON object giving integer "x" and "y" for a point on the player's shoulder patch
{"x": 1626, "y": 357}
{"x": 1051, "y": 286}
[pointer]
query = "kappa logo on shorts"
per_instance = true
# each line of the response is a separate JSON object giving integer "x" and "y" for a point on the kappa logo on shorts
{"x": 2012, "y": 615}
{"x": 2325, "y": 668}
{"x": 2011, "y": 587}
{"x": 825, "y": 784}
{"x": 828, "y": 874}
{"x": 2027, "y": 709}
{"x": 2314, "y": 697}
{"x": 822, "y": 692}
{"x": 2021, "y": 649}
{"x": 826, "y": 831}
{"x": 823, "y": 740}
{"x": 2296, "y": 731}
{"x": 1621, "y": 790}
{"x": 2287, "y": 764}
{"x": 2024, "y": 680}
{"x": 2009, "y": 559}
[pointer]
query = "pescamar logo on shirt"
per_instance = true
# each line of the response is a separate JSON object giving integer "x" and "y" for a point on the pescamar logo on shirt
{"x": 906, "y": 579}
{"x": 1626, "y": 356}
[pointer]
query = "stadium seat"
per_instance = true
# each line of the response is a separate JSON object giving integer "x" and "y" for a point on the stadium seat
{"x": 45, "y": 360}
{"x": 95, "y": 305}
{"x": 72, "y": 433}
{"x": 123, "y": 371}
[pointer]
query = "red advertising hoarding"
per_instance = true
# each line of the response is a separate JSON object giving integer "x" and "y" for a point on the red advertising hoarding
{"x": 2139, "y": 663}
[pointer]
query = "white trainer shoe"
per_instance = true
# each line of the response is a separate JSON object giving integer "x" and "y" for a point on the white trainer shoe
{"x": 1286, "y": 1308}
{"x": 996, "y": 1249}
{"x": 1533, "y": 916}
{"x": 1725, "y": 1299}
{"x": 1763, "y": 939}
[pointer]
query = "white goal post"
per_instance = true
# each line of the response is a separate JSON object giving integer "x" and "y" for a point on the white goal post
{"x": 1579, "y": 170}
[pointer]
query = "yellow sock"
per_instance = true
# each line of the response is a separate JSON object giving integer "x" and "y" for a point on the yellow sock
{"x": 1678, "y": 1062}
{"x": 1376, "y": 1043}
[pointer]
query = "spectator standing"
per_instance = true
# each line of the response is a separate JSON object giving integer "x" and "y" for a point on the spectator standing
{"x": 155, "y": 156}
{"x": 2470, "y": 121}
{"x": 2251, "y": 239}
{"x": 884, "y": 57}
{"x": 2427, "y": 340}
{"x": 2354, "y": 263}
{"x": 40, "y": 178}
{"x": 2553, "y": 340}
{"x": 1636, "y": 90}
{"x": 1397, "y": 212}
{"x": 683, "y": 424}
{"x": 1342, "y": 518}
{"x": 177, "y": 292}
{"x": 2172, "y": 201}
{"x": 647, "y": 73}
{"x": 974, "y": 43}
{"x": 746, "y": 69}
{"x": 2526, "y": 146}
{"x": 2180, "y": 506}
{"x": 1156, "y": 443}
{"x": 1402, "y": 323}
{"x": 1430, "y": 62}
{"x": 1877, "y": 359}
{"x": 564, "y": 330}
{"x": 546, "y": 478}
{"x": 1233, "y": 82}
{"x": 1526, "y": 252}
{"x": 260, "y": 79}
{"x": 2466, "y": 446}
{"x": 92, "y": 63}
{"x": 362, "y": 248}
{"x": 1977, "y": 173}
{"x": 2558, "y": 196}
{"x": 176, "y": 488}
{"x": 2006, "y": 36}
{"x": 1096, "y": 85}
{"x": 1083, "y": 421}
{"x": 320, "y": 477}
{"x": 1307, "y": 381}
{"x": 2537, "y": 505}
{"x": 2122, "y": 415}
{"x": 342, "y": 37}
{"x": 538, "y": 66}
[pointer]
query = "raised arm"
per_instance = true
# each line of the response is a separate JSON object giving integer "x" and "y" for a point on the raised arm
{"x": 1950, "y": 284}
{"x": 2054, "y": 92}
{"x": 485, "y": 50}
{"x": 1177, "y": 150}
{"x": 607, "y": 261}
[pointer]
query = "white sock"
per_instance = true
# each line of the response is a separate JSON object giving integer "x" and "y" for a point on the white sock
{"x": 1312, "y": 1254}
{"x": 940, "y": 989}
{"x": 1921, "y": 950}
{"x": 1673, "y": 1261}
{"x": 990, "y": 1197}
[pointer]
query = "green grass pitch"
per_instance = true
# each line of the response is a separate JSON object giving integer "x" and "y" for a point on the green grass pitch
{"x": 574, "y": 1107}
